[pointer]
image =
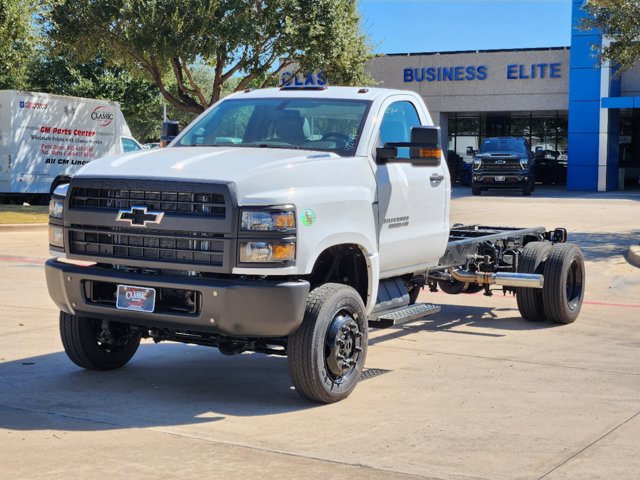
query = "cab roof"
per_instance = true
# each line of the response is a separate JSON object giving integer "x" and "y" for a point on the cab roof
{"x": 347, "y": 93}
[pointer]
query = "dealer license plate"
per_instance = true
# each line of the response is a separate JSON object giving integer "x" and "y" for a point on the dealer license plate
{"x": 139, "y": 299}
{"x": 500, "y": 179}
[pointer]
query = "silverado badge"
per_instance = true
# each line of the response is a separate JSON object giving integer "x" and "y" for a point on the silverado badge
{"x": 139, "y": 216}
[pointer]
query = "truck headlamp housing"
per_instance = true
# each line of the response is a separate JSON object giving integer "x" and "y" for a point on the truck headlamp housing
{"x": 56, "y": 204}
{"x": 56, "y": 236}
{"x": 56, "y": 207}
{"x": 277, "y": 219}
{"x": 267, "y": 251}
{"x": 524, "y": 163}
{"x": 477, "y": 163}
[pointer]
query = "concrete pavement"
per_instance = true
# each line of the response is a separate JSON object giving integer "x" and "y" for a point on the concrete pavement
{"x": 473, "y": 392}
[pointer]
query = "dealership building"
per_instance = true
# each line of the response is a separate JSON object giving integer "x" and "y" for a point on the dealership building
{"x": 569, "y": 107}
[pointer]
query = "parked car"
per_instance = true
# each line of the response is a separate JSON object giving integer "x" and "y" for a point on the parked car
{"x": 551, "y": 167}
{"x": 503, "y": 162}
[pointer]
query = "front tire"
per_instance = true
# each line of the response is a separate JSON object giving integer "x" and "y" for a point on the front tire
{"x": 476, "y": 191}
{"x": 81, "y": 338}
{"x": 327, "y": 352}
{"x": 564, "y": 283}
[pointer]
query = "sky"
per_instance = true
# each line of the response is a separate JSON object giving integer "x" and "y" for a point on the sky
{"x": 404, "y": 26}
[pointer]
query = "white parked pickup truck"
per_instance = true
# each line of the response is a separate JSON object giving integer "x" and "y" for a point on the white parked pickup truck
{"x": 284, "y": 221}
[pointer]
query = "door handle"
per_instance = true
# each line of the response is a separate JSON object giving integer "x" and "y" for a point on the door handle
{"x": 436, "y": 177}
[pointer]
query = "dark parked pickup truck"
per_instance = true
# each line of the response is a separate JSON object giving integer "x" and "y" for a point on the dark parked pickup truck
{"x": 503, "y": 162}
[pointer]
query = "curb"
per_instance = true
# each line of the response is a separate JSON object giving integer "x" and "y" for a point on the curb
{"x": 633, "y": 255}
{"x": 23, "y": 227}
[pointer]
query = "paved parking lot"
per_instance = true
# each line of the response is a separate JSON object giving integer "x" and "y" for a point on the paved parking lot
{"x": 473, "y": 392}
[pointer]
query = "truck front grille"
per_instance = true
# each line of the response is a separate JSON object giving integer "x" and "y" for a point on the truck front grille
{"x": 502, "y": 167}
{"x": 166, "y": 201}
{"x": 154, "y": 245}
{"x": 195, "y": 231}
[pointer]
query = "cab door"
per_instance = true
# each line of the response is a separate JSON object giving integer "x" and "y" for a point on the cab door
{"x": 413, "y": 205}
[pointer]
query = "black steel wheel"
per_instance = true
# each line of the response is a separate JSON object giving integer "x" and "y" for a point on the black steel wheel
{"x": 328, "y": 351}
{"x": 529, "y": 300}
{"x": 564, "y": 283}
{"x": 95, "y": 344}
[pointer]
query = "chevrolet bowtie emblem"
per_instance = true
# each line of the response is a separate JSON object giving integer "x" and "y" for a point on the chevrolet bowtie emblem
{"x": 139, "y": 216}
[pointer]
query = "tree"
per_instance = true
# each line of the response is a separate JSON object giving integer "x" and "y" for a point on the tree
{"x": 63, "y": 75}
{"x": 17, "y": 41}
{"x": 618, "y": 20}
{"x": 241, "y": 42}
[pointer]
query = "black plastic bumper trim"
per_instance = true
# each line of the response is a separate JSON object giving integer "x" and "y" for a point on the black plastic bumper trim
{"x": 234, "y": 307}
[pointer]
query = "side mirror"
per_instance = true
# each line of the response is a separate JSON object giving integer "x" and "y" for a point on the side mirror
{"x": 470, "y": 151}
{"x": 170, "y": 130}
{"x": 424, "y": 149}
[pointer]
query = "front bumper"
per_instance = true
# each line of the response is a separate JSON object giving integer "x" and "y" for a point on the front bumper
{"x": 509, "y": 179}
{"x": 234, "y": 307}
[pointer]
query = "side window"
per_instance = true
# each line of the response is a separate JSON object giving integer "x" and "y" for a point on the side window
{"x": 396, "y": 125}
{"x": 129, "y": 145}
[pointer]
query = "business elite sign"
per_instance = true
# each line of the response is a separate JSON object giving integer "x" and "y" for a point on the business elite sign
{"x": 461, "y": 73}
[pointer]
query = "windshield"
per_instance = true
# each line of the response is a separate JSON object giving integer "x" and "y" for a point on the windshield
{"x": 304, "y": 123}
{"x": 504, "y": 145}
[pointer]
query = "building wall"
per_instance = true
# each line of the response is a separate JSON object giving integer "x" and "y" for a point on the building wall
{"x": 505, "y": 83}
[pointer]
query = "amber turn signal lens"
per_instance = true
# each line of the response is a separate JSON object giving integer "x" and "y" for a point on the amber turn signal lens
{"x": 430, "y": 153}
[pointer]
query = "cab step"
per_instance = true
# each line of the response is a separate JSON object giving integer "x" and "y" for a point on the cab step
{"x": 398, "y": 316}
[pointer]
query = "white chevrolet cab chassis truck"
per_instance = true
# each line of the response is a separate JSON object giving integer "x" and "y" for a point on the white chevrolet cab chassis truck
{"x": 284, "y": 221}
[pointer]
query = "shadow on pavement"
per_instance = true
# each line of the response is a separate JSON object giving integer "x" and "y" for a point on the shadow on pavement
{"x": 599, "y": 247}
{"x": 485, "y": 321}
{"x": 163, "y": 385}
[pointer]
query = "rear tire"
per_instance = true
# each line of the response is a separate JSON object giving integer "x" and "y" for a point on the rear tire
{"x": 564, "y": 283}
{"x": 80, "y": 340}
{"x": 530, "y": 302}
{"x": 327, "y": 352}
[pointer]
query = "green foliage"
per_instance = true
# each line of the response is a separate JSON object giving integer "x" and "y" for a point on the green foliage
{"x": 619, "y": 20}
{"x": 196, "y": 50}
{"x": 17, "y": 41}
{"x": 139, "y": 99}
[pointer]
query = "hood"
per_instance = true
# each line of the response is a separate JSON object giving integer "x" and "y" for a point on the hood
{"x": 259, "y": 175}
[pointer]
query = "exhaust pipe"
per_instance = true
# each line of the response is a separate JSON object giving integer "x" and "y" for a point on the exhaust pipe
{"x": 523, "y": 280}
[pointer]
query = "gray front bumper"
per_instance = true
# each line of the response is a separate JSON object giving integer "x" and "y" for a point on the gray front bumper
{"x": 240, "y": 308}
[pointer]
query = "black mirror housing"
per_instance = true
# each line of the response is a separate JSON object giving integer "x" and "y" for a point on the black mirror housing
{"x": 425, "y": 148}
{"x": 170, "y": 130}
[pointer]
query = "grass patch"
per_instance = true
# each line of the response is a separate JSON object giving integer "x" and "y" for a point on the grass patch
{"x": 23, "y": 214}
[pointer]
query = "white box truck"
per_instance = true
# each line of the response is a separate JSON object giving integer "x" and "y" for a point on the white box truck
{"x": 45, "y": 139}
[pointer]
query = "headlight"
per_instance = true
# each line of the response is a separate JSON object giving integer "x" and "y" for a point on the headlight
{"x": 56, "y": 236}
{"x": 524, "y": 162}
{"x": 476, "y": 163}
{"x": 269, "y": 251}
{"x": 56, "y": 207}
{"x": 268, "y": 220}
{"x": 56, "y": 204}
